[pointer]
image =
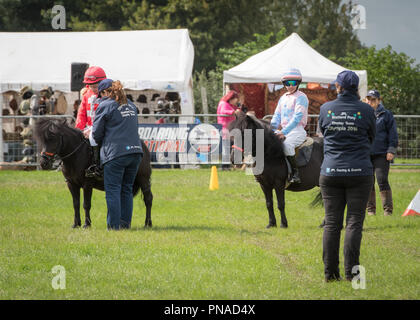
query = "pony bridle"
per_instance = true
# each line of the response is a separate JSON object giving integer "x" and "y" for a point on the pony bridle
{"x": 49, "y": 156}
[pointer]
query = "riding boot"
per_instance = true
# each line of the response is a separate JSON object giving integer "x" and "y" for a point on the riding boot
{"x": 95, "y": 170}
{"x": 371, "y": 205}
{"x": 295, "y": 173}
{"x": 386, "y": 197}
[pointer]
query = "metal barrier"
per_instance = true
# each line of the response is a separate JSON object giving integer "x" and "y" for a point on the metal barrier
{"x": 17, "y": 144}
{"x": 408, "y": 127}
{"x": 17, "y": 149}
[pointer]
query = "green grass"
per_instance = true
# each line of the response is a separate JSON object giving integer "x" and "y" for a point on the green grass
{"x": 203, "y": 244}
{"x": 413, "y": 163}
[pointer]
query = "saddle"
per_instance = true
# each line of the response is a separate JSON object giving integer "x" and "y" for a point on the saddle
{"x": 303, "y": 154}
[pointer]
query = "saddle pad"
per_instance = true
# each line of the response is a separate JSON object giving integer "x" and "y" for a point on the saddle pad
{"x": 304, "y": 155}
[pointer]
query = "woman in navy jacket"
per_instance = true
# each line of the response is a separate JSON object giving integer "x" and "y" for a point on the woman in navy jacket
{"x": 383, "y": 151}
{"x": 348, "y": 127}
{"x": 115, "y": 129}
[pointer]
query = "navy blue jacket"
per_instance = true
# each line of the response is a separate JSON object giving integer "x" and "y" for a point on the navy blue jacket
{"x": 115, "y": 129}
{"x": 348, "y": 126}
{"x": 386, "y": 139}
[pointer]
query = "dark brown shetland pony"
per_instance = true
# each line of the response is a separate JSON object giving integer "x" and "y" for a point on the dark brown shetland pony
{"x": 275, "y": 172}
{"x": 60, "y": 141}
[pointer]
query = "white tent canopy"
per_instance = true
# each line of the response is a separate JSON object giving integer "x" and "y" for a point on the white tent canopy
{"x": 156, "y": 59}
{"x": 293, "y": 52}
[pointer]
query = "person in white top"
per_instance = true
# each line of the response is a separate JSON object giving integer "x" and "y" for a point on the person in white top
{"x": 292, "y": 114}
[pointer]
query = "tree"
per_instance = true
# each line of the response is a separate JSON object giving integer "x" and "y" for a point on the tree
{"x": 24, "y": 15}
{"x": 212, "y": 24}
{"x": 394, "y": 75}
{"x": 326, "y": 26}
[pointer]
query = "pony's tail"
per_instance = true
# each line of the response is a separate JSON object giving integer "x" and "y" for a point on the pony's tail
{"x": 144, "y": 172}
{"x": 317, "y": 200}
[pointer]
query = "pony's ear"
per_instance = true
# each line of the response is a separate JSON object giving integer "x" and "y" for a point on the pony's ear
{"x": 250, "y": 117}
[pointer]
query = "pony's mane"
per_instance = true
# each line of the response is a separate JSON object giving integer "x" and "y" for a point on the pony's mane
{"x": 46, "y": 129}
{"x": 273, "y": 145}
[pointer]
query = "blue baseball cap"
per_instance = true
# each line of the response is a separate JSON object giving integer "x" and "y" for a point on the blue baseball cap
{"x": 348, "y": 80}
{"x": 374, "y": 94}
{"x": 104, "y": 84}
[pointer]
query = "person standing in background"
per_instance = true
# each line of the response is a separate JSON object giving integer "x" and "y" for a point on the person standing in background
{"x": 383, "y": 151}
{"x": 228, "y": 107}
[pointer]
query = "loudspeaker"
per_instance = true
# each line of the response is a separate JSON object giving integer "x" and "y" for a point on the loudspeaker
{"x": 77, "y": 73}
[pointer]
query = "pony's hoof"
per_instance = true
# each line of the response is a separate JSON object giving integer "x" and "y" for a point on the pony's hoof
{"x": 86, "y": 226}
{"x": 284, "y": 226}
{"x": 148, "y": 224}
{"x": 271, "y": 225}
{"x": 75, "y": 226}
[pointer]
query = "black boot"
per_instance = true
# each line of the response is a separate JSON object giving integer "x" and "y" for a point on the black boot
{"x": 95, "y": 170}
{"x": 295, "y": 173}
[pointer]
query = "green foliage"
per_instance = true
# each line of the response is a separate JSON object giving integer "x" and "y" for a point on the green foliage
{"x": 213, "y": 83}
{"x": 230, "y": 57}
{"x": 326, "y": 26}
{"x": 394, "y": 75}
{"x": 215, "y": 24}
{"x": 212, "y": 24}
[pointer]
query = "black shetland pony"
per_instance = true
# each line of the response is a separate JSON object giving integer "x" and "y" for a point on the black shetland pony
{"x": 60, "y": 141}
{"x": 275, "y": 172}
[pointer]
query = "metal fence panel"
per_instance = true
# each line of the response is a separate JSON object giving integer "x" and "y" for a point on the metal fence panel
{"x": 20, "y": 148}
{"x": 19, "y": 145}
{"x": 408, "y": 128}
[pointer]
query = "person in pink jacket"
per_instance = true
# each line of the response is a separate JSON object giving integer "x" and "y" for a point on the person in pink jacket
{"x": 227, "y": 106}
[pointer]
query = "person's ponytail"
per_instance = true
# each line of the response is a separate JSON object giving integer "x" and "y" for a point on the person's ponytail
{"x": 117, "y": 92}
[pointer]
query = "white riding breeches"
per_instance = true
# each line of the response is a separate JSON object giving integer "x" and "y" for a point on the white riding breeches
{"x": 293, "y": 140}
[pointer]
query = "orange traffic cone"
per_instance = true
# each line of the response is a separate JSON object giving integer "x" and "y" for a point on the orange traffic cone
{"x": 214, "y": 181}
{"x": 413, "y": 208}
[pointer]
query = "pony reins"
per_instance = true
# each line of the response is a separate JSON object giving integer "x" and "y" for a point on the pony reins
{"x": 51, "y": 154}
{"x": 71, "y": 153}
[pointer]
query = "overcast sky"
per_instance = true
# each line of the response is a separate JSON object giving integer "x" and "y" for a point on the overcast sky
{"x": 394, "y": 22}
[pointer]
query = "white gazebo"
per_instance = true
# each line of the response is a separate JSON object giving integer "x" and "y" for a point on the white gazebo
{"x": 155, "y": 59}
{"x": 293, "y": 52}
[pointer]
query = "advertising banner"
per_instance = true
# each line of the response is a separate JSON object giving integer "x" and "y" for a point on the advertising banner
{"x": 173, "y": 143}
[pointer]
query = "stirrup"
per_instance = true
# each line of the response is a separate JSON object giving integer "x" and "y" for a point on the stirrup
{"x": 295, "y": 179}
{"x": 93, "y": 172}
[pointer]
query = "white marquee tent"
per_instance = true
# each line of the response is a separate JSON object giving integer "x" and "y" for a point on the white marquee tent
{"x": 293, "y": 52}
{"x": 154, "y": 59}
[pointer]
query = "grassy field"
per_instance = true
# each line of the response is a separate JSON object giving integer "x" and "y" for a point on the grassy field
{"x": 203, "y": 245}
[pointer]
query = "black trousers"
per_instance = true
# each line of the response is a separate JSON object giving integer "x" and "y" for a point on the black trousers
{"x": 337, "y": 193}
{"x": 381, "y": 166}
